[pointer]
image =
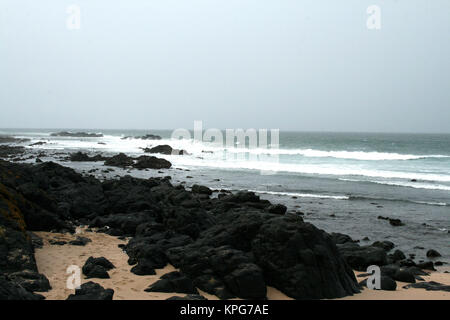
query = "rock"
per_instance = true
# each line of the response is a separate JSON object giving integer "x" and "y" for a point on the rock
{"x": 397, "y": 256}
{"x": 12, "y": 291}
{"x": 173, "y": 282}
{"x": 144, "y": 267}
{"x": 80, "y": 241}
{"x": 57, "y": 242}
{"x": 433, "y": 253}
{"x": 429, "y": 286}
{"x": 396, "y": 222}
{"x": 277, "y": 209}
{"x": 97, "y": 268}
{"x": 201, "y": 189}
{"x": 404, "y": 276}
{"x": 339, "y": 238}
{"x": 301, "y": 260}
{"x": 386, "y": 245}
{"x": 150, "y": 162}
{"x": 428, "y": 265}
{"x": 360, "y": 257}
{"x": 76, "y": 134}
{"x": 91, "y": 291}
{"x": 30, "y": 280}
{"x": 148, "y": 137}
{"x": 165, "y": 149}
{"x": 83, "y": 157}
{"x": 120, "y": 160}
{"x": 188, "y": 297}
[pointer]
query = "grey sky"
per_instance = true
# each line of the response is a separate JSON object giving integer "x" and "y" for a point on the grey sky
{"x": 288, "y": 64}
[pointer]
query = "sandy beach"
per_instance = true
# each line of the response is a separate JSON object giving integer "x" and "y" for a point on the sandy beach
{"x": 53, "y": 261}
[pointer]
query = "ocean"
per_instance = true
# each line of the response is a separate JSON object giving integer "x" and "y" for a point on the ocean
{"x": 340, "y": 182}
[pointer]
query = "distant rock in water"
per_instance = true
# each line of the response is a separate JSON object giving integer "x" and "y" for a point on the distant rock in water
{"x": 76, "y": 134}
{"x": 149, "y": 137}
{"x": 80, "y": 156}
{"x": 166, "y": 149}
{"x": 150, "y": 162}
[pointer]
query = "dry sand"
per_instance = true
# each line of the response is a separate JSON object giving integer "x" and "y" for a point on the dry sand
{"x": 53, "y": 261}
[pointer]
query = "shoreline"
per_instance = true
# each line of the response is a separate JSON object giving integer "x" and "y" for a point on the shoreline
{"x": 238, "y": 242}
{"x": 128, "y": 286}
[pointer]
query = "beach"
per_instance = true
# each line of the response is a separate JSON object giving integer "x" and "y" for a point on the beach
{"x": 53, "y": 260}
{"x": 148, "y": 224}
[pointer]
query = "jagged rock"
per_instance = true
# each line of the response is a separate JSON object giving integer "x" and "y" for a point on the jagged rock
{"x": 173, "y": 282}
{"x": 166, "y": 149}
{"x": 91, "y": 291}
{"x": 433, "y": 253}
{"x": 150, "y": 162}
{"x": 80, "y": 241}
{"x": 76, "y": 134}
{"x": 97, "y": 268}
{"x": 120, "y": 160}
{"x": 201, "y": 189}
{"x": 30, "y": 280}
{"x": 429, "y": 286}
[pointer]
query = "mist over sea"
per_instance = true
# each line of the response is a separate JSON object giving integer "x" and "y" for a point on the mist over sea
{"x": 340, "y": 182}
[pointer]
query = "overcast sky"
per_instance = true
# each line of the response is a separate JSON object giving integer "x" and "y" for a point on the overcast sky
{"x": 288, "y": 64}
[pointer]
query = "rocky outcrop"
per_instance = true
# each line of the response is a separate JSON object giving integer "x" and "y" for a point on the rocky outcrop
{"x": 76, "y": 134}
{"x": 166, "y": 149}
{"x": 91, "y": 291}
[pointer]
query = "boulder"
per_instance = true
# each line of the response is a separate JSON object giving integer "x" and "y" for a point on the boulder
{"x": 173, "y": 282}
{"x": 91, "y": 291}
{"x": 150, "y": 162}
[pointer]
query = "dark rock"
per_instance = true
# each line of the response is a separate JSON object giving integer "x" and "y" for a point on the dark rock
{"x": 396, "y": 222}
{"x": 429, "y": 286}
{"x": 201, "y": 189}
{"x": 433, "y": 253}
{"x": 76, "y": 134}
{"x": 12, "y": 291}
{"x": 397, "y": 256}
{"x": 57, "y": 242}
{"x": 173, "y": 282}
{"x": 340, "y": 238}
{"x": 386, "y": 245}
{"x": 360, "y": 257}
{"x": 428, "y": 265}
{"x": 166, "y": 149}
{"x": 277, "y": 209}
{"x": 97, "y": 268}
{"x": 80, "y": 241}
{"x": 144, "y": 267}
{"x": 188, "y": 297}
{"x": 404, "y": 276}
{"x": 120, "y": 160}
{"x": 91, "y": 291}
{"x": 30, "y": 280}
{"x": 83, "y": 157}
{"x": 150, "y": 162}
{"x": 148, "y": 137}
{"x": 301, "y": 260}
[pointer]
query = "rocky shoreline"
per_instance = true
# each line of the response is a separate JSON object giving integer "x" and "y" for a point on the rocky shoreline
{"x": 225, "y": 244}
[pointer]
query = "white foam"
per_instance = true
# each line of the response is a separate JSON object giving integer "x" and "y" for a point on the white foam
{"x": 302, "y": 195}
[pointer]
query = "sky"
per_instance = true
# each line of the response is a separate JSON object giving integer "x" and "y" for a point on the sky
{"x": 278, "y": 64}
